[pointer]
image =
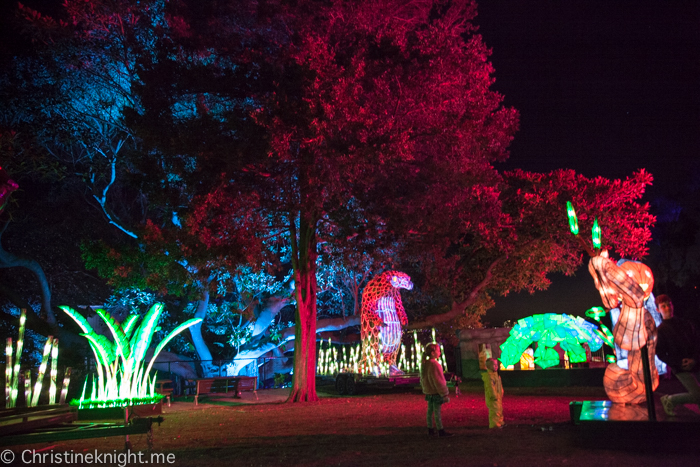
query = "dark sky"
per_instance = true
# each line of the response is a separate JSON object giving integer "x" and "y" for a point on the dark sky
{"x": 604, "y": 88}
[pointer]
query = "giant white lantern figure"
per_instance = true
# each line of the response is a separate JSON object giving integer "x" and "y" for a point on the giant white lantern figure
{"x": 627, "y": 286}
{"x": 382, "y": 317}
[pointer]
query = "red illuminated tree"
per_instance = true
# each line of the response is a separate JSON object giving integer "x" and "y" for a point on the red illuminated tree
{"x": 532, "y": 238}
{"x": 376, "y": 114}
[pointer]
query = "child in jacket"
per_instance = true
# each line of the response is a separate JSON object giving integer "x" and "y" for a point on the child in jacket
{"x": 432, "y": 380}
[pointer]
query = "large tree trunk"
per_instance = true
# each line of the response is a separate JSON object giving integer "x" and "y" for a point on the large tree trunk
{"x": 10, "y": 260}
{"x": 304, "y": 256}
{"x": 196, "y": 332}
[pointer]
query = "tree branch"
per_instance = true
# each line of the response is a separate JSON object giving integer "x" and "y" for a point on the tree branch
{"x": 246, "y": 356}
{"x": 11, "y": 260}
{"x": 102, "y": 201}
{"x": 458, "y": 308}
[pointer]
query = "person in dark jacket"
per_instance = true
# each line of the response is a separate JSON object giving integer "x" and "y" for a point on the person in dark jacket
{"x": 677, "y": 345}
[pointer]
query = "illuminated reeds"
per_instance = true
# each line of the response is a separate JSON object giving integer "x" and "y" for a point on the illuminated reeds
{"x": 364, "y": 359}
{"x": 12, "y": 364}
{"x": 13, "y": 357}
{"x": 12, "y": 370}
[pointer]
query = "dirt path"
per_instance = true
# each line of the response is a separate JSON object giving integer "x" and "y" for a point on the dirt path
{"x": 385, "y": 429}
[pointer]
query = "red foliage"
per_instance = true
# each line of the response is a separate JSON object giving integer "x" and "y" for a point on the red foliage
{"x": 152, "y": 233}
{"x": 525, "y": 237}
{"x": 537, "y": 202}
{"x": 122, "y": 271}
{"x": 380, "y": 113}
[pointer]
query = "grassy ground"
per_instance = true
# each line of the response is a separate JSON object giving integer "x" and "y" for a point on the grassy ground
{"x": 384, "y": 429}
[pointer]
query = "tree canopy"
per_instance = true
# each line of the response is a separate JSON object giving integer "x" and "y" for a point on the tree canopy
{"x": 277, "y": 136}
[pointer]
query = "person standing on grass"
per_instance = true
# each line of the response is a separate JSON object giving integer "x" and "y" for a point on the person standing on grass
{"x": 493, "y": 390}
{"x": 432, "y": 380}
{"x": 678, "y": 346}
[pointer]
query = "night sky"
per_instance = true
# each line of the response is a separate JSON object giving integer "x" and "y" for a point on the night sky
{"x": 604, "y": 88}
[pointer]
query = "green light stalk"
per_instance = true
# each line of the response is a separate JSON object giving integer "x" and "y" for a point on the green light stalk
{"x": 573, "y": 220}
{"x": 597, "y": 233}
{"x": 8, "y": 374}
{"x": 442, "y": 354}
{"x": 42, "y": 369}
{"x": 82, "y": 395}
{"x": 28, "y": 387}
{"x": 573, "y": 226}
{"x": 606, "y": 335}
{"x": 54, "y": 372}
{"x": 18, "y": 357}
{"x": 64, "y": 386}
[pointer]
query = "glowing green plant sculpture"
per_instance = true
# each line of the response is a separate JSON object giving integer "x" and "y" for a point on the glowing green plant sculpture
{"x": 549, "y": 330}
{"x": 121, "y": 376}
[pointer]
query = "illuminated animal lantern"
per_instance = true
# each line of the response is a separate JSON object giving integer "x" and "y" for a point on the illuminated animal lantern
{"x": 382, "y": 318}
{"x": 627, "y": 286}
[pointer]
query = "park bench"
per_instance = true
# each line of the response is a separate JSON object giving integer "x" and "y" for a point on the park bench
{"x": 52, "y": 424}
{"x": 226, "y": 386}
{"x": 163, "y": 390}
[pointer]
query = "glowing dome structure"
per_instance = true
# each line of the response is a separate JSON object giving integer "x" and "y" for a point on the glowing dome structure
{"x": 548, "y": 330}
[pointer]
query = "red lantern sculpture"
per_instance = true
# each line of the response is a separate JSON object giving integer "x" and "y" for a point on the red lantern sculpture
{"x": 382, "y": 317}
{"x": 627, "y": 286}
